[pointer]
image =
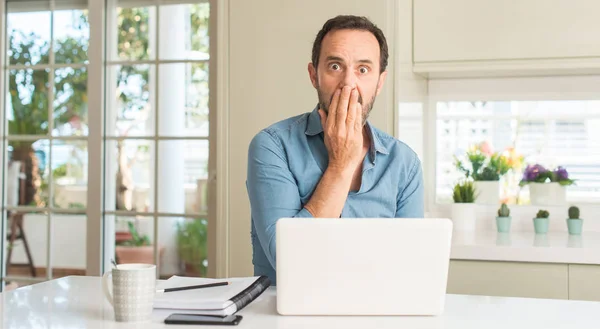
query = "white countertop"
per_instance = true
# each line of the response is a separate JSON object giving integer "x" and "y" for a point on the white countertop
{"x": 553, "y": 247}
{"x": 78, "y": 302}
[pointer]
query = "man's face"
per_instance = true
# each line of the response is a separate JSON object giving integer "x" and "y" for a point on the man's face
{"x": 348, "y": 58}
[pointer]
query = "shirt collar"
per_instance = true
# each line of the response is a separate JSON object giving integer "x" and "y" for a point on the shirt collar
{"x": 315, "y": 127}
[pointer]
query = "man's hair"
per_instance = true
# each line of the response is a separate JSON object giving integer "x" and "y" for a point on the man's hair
{"x": 350, "y": 22}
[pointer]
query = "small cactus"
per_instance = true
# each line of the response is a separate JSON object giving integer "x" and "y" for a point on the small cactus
{"x": 573, "y": 212}
{"x": 543, "y": 214}
{"x": 503, "y": 211}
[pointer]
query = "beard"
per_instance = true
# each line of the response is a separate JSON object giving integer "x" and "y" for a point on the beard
{"x": 366, "y": 108}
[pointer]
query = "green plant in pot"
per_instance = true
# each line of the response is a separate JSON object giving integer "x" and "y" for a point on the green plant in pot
{"x": 464, "y": 192}
{"x": 574, "y": 223}
{"x": 503, "y": 219}
{"x": 191, "y": 246}
{"x": 138, "y": 249}
{"x": 541, "y": 222}
{"x": 463, "y": 208}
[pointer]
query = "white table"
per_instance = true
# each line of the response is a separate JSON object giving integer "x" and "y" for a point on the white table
{"x": 78, "y": 302}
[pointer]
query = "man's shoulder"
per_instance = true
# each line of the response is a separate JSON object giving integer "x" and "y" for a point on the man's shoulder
{"x": 281, "y": 131}
{"x": 289, "y": 124}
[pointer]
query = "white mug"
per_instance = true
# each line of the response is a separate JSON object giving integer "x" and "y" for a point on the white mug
{"x": 132, "y": 291}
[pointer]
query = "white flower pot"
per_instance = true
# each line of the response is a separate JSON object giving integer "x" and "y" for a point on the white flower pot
{"x": 487, "y": 192}
{"x": 464, "y": 216}
{"x": 547, "y": 194}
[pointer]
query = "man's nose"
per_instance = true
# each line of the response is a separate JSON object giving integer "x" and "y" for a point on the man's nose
{"x": 349, "y": 79}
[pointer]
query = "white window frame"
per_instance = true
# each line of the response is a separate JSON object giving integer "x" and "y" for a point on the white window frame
{"x": 97, "y": 242}
{"x": 494, "y": 89}
{"x": 50, "y": 210}
{"x": 97, "y": 264}
{"x": 3, "y": 223}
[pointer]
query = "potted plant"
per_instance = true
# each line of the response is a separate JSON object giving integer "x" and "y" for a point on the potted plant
{"x": 503, "y": 219}
{"x": 574, "y": 223}
{"x": 541, "y": 222}
{"x": 463, "y": 209}
{"x": 191, "y": 246}
{"x": 546, "y": 187}
{"x": 486, "y": 168}
{"x": 138, "y": 249}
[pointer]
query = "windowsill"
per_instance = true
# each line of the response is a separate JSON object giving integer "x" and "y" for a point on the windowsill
{"x": 588, "y": 210}
{"x": 589, "y": 201}
{"x": 523, "y": 246}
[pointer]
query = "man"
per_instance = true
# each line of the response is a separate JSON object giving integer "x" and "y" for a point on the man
{"x": 332, "y": 162}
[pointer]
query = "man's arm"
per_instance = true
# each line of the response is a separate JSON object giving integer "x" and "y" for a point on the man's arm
{"x": 343, "y": 137}
{"x": 272, "y": 190}
{"x": 410, "y": 203}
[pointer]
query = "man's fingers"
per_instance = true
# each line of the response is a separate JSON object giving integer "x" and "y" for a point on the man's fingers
{"x": 351, "y": 109}
{"x": 333, "y": 108}
{"x": 358, "y": 121}
{"x": 342, "y": 108}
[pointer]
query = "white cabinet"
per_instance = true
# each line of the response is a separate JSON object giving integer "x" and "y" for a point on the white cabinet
{"x": 509, "y": 34}
{"x": 509, "y": 279}
{"x": 517, "y": 279}
{"x": 584, "y": 282}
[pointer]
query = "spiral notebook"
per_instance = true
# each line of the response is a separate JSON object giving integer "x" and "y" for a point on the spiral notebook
{"x": 219, "y": 301}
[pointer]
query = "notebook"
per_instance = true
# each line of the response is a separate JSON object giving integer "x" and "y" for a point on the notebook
{"x": 217, "y": 301}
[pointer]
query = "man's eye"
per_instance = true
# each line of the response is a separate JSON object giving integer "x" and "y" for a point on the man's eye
{"x": 335, "y": 67}
{"x": 363, "y": 70}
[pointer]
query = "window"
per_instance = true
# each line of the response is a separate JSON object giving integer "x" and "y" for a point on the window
{"x": 157, "y": 133}
{"x": 552, "y": 133}
{"x": 46, "y": 139}
{"x": 551, "y": 120}
{"x": 150, "y": 183}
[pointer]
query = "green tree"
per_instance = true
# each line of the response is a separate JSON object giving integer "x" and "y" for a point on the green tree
{"x": 29, "y": 89}
{"x": 29, "y": 96}
{"x": 133, "y": 44}
{"x": 199, "y": 25}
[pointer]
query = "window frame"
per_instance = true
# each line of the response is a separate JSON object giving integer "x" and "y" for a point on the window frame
{"x": 49, "y": 210}
{"x": 107, "y": 213}
{"x": 98, "y": 244}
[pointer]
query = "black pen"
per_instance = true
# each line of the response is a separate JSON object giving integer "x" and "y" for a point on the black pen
{"x": 209, "y": 285}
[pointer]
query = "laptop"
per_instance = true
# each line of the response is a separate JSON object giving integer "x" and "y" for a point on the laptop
{"x": 362, "y": 266}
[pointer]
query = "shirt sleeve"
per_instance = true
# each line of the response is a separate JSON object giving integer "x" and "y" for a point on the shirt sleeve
{"x": 272, "y": 190}
{"x": 410, "y": 203}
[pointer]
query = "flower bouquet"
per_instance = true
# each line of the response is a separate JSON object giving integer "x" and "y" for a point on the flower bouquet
{"x": 546, "y": 187}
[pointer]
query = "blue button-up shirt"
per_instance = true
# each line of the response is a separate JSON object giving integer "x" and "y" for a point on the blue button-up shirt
{"x": 286, "y": 162}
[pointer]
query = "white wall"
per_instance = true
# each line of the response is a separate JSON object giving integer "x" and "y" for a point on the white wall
{"x": 411, "y": 90}
{"x": 270, "y": 46}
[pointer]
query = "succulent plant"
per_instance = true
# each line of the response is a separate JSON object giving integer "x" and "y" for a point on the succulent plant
{"x": 503, "y": 211}
{"x": 464, "y": 192}
{"x": 573, "y": 212}
{"x": 543, "y": 214}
